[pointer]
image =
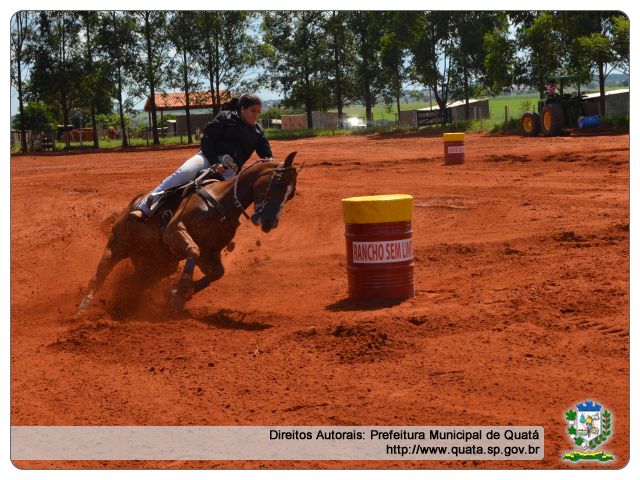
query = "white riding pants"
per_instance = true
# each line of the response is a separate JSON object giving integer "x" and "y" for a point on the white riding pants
{"x": 187, "y": 172}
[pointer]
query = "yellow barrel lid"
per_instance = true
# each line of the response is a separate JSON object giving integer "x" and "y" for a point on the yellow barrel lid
{"x": 453, "y": 137}
{"x": 377, "y": 208}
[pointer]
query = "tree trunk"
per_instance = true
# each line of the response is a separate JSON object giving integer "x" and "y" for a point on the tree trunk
{"x": 65, "y": 120}
{"x": 603, "y": 98}
{"x": 210, "y": 77}
{"x": 366, "y": 81}
{"x": 214, "y": 106}
{"x": 63, "y": 95}
{"x": 367, "y": 106}
{"x": 307, "y": 106}
{"x": 19, "y": 42}
{"x": 309, "y": 116}
{"x": 441, "y": 101}
{"x": 307, "y": 96}
{"x": 185, "y": 71}
{"x": 338, "y": 73}
{"x": 23, "y": 129}
{"x": 125, "y": 140}
{"x": 398, "y": 105}
{"x": 467, "y": 110}
{"x": 217, "y": 71}
{"x": 94, "y": 126}
{"x": 367, "y": 94}
{"x": 152, "y": 82}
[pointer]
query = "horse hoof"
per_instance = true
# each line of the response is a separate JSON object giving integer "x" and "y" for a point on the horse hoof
{"x": 84, "y": 306}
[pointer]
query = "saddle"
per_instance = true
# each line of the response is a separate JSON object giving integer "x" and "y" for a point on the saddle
{"x": 169, "y": 199}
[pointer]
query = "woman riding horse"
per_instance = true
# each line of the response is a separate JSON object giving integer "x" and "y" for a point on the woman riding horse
{"x": 195, "y": 232}
{"x": 228, "y": 141}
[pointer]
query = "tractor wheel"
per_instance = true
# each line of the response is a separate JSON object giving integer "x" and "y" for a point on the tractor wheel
{"x": 552, "y": 119}
{"x": 530, "y": 124}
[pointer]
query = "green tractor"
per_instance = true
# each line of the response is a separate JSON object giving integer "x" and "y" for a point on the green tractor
{"x": 559, "y": 110}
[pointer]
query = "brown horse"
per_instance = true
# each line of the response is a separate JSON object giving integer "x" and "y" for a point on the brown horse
{"x": 204, "y": 223}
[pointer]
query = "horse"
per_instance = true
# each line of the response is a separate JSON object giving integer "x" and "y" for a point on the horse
{"x": 201, "y": 225}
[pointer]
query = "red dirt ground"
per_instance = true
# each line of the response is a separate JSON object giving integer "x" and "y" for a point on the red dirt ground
{"x": 522, "y": 276}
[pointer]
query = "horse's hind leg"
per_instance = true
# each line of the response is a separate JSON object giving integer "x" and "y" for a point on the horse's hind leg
{"x": 180, "y": 242}
{"x": 111, "y": 255}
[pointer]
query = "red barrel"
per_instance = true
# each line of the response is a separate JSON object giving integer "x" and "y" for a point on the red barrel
{"x": 379, "y": 246}
{"x": 453, "y": 148}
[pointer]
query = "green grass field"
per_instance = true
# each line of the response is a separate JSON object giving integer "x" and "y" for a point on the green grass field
{"x": 516, "y": 105}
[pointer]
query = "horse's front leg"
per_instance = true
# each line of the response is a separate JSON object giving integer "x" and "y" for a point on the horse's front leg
{"x": 113, "y": 252}
{"x": 213, "y": 269}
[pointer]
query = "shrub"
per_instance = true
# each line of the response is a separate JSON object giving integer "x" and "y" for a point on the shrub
{"x": 513, "y": 125}
{"x": 616, "y": 121}
{"x": 38, "y": 117}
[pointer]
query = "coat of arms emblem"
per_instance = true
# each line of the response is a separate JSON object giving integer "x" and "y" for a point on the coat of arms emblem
{"x": 589, "y": 428}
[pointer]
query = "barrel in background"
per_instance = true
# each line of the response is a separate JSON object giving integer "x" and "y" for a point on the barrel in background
{"x": 379, "y": 245}
{"x": 453, "y": 148}
{"x": 589, "y": 121}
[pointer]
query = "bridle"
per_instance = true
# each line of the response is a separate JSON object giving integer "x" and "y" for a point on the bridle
{"x": 276, "y": 177}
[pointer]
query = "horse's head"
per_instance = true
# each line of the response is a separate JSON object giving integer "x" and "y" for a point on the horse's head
{"x": 271, "y": 192}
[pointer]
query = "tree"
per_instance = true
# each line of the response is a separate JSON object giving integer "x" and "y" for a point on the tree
{"x": 544, "y": 50}
{"x": 469, "y": 30}
{"x": 94, "y": 85}
{"x": 431, "y": 47}
{"x": 366, "y": 26}
{"x": 597, "y": 48}
{"x": 35, "y": 116}
{"x": 180, "y": 30}
{"x": 118, "y": 48}
{"x": 501, "y": 66}
{"x": 620, "y": 38}
{"x": 21, "y": 30}
{"x": 153, "y": 67}
{"x": 341, "y": 61}
{"x": 227, "y": 52}
{"x": 296, "y": 55}
{"x": 57, "y": 64}
{"x": 393, "y": 53}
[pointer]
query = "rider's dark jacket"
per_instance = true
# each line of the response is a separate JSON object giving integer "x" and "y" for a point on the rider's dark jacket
{"x": 227, "y": 133}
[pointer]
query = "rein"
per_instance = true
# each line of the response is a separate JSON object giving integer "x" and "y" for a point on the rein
{"x": 259, "y": 206}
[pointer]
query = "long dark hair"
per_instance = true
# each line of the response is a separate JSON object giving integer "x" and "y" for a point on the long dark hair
{"x": 244, "y": 101}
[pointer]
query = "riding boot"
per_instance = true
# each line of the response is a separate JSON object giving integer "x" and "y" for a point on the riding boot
{"x": 143, "y": 211}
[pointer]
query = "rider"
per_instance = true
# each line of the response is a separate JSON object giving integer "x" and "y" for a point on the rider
{"x": 228, "y": 141}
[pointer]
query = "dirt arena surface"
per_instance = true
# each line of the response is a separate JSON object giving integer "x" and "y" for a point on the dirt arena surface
{"x": 522, "y": 276}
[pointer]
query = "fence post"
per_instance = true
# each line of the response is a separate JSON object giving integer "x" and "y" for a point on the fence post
{"x": 506, "y": 116}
